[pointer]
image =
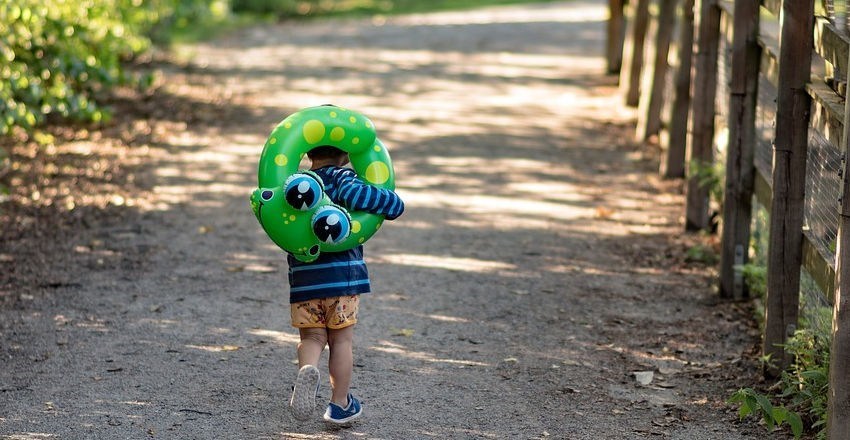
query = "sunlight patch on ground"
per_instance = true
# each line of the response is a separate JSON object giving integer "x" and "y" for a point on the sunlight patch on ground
{"x": 538, "y": 67}
{"x": 581, "y": 268}
{"x": 242, "y": 262}
{"x": 417, "y": 224}
{"x": 161, "y": 323}
{"x": 560, "y": 191}
{"x": 31, "y": 436}
{"x": 575, "y": 13}
{"x": 443, "y": 262}
{"x": 322, "y": 435}
{"x": 499, "y": 206}
{"x": 445, "y": 318}
{"x": 214, "y": 348}
{"x": 392, "y": 348}
{"x": 135, "y": 403}
{"x": 283, "y": 337}
{"x": 201, "y": 177}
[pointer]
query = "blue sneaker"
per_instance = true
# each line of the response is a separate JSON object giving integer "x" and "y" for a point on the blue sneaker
{"x": 338, "y": 415}
{"x": 303, "y": 400}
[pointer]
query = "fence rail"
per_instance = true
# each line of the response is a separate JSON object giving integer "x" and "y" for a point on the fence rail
{"x": 766, "y": 100}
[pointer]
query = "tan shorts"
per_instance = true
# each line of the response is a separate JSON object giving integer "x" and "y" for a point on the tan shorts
{"x": 336, "y": 312}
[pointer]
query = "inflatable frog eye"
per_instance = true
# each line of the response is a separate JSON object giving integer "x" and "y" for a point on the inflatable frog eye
{"x": 331, "y": 224}
{"x": 303, "y": 190}
{"x": 291, "y": 204}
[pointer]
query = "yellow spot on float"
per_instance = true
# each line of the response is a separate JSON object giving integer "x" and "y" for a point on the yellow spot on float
{"x": 337, "y": 134}
{"x": 377, "y": 173}
{"x": 355, "y": 226}
{"x": 273, "y": 140}
{"x": 352, "y": 119}
{"x": 287, "y": 125}
{"x": 377, "y": 148}
{"x": 361, "y": 240}
{"x": 292, "y": 218}
{"x": 313, "y": 131}
{"x": 281, "y": 160}
{"x": 333, "y": 114}
{"x": 355, "y": 141}
{"x": 368, "y": 124}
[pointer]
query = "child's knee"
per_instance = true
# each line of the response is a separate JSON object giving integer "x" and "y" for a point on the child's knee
{"x": 343, "y": 335}
{"x": 317, "y": 335}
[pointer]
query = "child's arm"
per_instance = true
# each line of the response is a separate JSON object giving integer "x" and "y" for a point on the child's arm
{"x": 356, "y": 195}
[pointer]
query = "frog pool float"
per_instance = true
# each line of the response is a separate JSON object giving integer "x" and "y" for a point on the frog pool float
{"x": 291, "y": 204}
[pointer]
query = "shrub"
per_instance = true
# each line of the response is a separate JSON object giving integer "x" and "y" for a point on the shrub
{"x": 58, "y": 57}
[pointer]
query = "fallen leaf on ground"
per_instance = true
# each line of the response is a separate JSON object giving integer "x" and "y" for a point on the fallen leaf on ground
{"x": 603, "y": 212}
{"x": 406, "y": 332}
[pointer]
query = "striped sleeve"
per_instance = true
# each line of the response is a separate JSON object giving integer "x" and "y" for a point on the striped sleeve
{"x": 352, "y": 193}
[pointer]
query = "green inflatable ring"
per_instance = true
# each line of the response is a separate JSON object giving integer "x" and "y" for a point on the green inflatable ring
{"x": 291, "y": 205}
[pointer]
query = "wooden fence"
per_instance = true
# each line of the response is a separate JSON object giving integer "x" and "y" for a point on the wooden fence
{"x": 758, "y": 87}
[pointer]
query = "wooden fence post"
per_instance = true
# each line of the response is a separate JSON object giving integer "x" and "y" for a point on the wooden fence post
{"x": 673, "y": 163}
{"x": 633, "y": 51}
{"x": 740, "y": 171}
{"x": 616, "y": 35}
{"x": 838, "y": 406}
{"x": 655, "y": 75}
{"x": 701, "y": 151}
{"x": 793, "y": 106}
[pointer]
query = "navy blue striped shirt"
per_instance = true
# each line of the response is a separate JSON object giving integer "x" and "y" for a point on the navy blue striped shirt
{"x": 341, "y": 273}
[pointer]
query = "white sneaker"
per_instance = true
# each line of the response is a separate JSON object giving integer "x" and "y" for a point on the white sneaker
{"x": 303, "y": 401}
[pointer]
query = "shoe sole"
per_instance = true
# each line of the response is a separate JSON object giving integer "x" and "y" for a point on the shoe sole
{"x": 303, "y": 400}
{"x": 346, "y": 421}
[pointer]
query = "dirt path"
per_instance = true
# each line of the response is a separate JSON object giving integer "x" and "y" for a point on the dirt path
{"x": 538, "y": 265}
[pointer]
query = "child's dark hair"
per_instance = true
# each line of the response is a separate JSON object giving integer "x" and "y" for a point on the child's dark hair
{"x": 325, "y": 152}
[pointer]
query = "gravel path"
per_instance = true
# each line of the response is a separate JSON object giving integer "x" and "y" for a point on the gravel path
{"x": 539, "y": 265}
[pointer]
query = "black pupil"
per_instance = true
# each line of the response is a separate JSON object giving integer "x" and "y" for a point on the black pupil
{"x": 267, "y": 195}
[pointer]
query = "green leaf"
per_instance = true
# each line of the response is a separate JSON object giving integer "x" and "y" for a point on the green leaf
{"x": 765, "y": 405}
{"x": 814, "y": 375}
{"x": 779, "y": 414}
{"x": 751, "y": 403}
{"x": 744, "y": 411}
{"x": 796, "y": 424}
{"x": 738, "y": 396}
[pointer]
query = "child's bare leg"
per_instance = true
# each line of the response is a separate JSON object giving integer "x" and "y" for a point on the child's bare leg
{"x": 341, "y": 363}
{"x": 312, "y": 344}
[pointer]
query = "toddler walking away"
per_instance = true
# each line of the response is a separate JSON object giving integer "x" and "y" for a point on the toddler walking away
{"x": 324, "y": 294}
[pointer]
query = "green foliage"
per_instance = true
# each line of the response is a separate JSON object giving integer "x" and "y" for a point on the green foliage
{"x": 804, "y": 388}
{"x": 806, "y": 382}
{"x": 702, "y": 254}
{"x": 752, "y": 402}
{"x": 185, "y": 19}
{"x": 760, "y": 236}
{"x": 59, "y": 57}
{"x": 709, "y": 175}
{"x": 755, "y": 276}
